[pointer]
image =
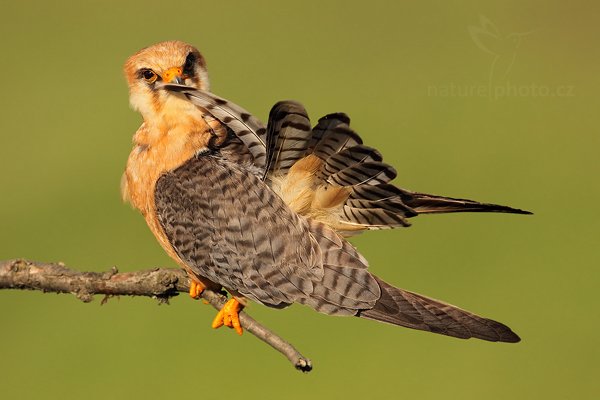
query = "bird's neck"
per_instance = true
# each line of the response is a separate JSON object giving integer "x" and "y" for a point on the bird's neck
{"x": 161, "y": 144}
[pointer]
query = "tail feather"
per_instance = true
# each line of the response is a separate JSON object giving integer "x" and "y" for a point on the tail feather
{"x": 424, "y": 203}
{"x": 401, "y": 307}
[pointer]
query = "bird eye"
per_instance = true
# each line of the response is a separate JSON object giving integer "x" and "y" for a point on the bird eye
{"x": 149, "y": 75}
{"x": 188, "y": 67}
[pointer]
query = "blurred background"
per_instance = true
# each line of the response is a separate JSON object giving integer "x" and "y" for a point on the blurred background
{"x": 496, "y": 102}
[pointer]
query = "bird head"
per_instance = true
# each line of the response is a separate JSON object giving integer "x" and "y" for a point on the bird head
{"x": 166, "y": 62}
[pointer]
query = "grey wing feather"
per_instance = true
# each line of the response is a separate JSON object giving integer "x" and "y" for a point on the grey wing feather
{"x": 365, "y": 173}
{"x": 376, "y": 218}
{"x": 326, "y": 124}
{"x": 245, "y": 126}
{"x": 374, "y": 203}
{"x": 401, "y": 307}
{"x": 424, "y": 203}
{"x": 347, "y": 286}
{"x": 393, "y": 205}
{"x": 336, "y": 140}
{"x": 348, "y": 158}
{"x": 288, "y": 133}
{"x": 227, "y": 225}
{"x": 230, "y": 228}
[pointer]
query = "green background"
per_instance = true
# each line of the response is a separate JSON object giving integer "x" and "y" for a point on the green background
{"x": 414, "y": 80}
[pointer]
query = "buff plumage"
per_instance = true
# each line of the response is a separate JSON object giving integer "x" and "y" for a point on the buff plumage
{"x": 262, "y": 210}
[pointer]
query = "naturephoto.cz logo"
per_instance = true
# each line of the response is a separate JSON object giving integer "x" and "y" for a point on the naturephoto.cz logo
{"x": 502, "y": 50}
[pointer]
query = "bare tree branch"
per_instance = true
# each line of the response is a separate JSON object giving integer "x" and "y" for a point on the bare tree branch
{"x": 160, "y": 283}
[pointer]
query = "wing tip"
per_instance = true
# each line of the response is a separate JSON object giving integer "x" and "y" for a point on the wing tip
{"x": 343, "y": 117}
{"x": 510, "y": 337}
{"x": 424, "y": 203}
{"x": 401, "y": 307}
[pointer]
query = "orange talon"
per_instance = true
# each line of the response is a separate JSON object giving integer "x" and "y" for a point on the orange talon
{"x": 196, "y": 289}
{"x": 229, "y": 316}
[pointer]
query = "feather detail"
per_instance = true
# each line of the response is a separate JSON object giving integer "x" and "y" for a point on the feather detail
{"x": 334, "y": 249}
{"x": 347, "y": 158}
{"x": 327, "y": 123}
{"x": 381, "y": 192}
{"x": 288, "y": 133}
{"x": 248, "y": 128}
{"x": 331, "y": 135}
{"x": 366, "y": 173}
{"x": 401, "y": 307}
{"x": 392, "y": 205}
{"x": 373, "y": 218}
{"x": 296, "y": 188}
{"x": 424, "y": 203}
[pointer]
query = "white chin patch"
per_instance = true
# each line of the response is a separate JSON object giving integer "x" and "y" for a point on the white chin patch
{"x": 141, "y": 101}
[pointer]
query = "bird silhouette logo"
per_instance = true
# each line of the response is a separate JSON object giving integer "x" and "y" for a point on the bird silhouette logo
{"x": 502, "y": 47}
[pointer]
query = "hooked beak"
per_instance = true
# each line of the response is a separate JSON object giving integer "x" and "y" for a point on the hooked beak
{"x": 173, "y": 75}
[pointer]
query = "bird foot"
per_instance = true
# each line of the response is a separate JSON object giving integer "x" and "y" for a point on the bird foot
{"x": 229, "y": 316}
{"x": 196, "y": 289}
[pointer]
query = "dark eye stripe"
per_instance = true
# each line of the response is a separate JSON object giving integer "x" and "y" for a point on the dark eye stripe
{"x": 188, "y": 67}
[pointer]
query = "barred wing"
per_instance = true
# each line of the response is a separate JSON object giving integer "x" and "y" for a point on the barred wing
{"x": 244, "y": 125}
{"x": 230, "y": 227}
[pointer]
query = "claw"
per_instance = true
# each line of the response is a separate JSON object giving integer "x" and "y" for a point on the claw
{"x": 229, "y": 316}
{"x": 196, "y": 289}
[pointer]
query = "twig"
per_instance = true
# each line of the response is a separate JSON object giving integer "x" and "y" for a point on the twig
{"x": 160, "y": 283}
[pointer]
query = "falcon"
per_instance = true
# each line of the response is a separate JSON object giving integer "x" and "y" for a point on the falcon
{"x": 263, "y": 211}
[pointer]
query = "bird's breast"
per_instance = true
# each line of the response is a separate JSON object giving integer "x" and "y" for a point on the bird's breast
{"x": 156, "y": 151}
